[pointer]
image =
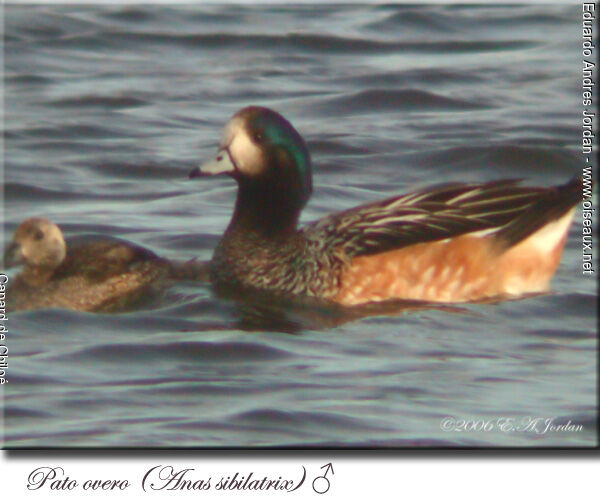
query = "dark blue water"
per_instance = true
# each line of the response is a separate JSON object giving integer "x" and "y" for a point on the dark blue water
{"x": 108, "y": 108}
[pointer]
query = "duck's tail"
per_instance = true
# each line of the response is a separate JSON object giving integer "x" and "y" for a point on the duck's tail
{"x": 547, "y": 220}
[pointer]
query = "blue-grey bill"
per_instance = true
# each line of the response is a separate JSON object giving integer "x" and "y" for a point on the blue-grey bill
{"x": 220, "y": 164}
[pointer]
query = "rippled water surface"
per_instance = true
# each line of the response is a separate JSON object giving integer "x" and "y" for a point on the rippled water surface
{"x": 108, "y": 108}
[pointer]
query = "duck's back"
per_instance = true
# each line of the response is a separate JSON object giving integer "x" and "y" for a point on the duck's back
{"x": 451, "y": 243}
{"x": 104, "y": 275}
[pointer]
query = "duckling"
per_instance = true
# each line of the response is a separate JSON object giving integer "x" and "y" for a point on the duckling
{"x": 103, "y": 276}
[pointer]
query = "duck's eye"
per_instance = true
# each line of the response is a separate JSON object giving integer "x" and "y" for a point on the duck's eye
{"x": 38, "y": 235}
{"x": 258, "y": 137}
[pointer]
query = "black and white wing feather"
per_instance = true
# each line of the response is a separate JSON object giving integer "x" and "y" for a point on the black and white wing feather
{"x": 503, "y": 208}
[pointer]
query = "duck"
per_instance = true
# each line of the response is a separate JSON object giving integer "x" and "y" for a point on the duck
{"x": 105, "y": 275}
{"x": 448, "y": 243}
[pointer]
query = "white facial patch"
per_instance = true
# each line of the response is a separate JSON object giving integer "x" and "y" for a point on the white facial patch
{"x": 246, "y": 155}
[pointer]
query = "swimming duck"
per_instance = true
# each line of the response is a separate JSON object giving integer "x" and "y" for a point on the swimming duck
{"x": 449, "y": 243}
{"x": 104, "y": 275}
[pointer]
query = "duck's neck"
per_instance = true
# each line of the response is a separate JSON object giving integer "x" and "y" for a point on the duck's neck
{"x": 36, "y": 275}
{"x": 266, "y": 212}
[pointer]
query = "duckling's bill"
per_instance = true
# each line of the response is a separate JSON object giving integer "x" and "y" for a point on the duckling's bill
{"x": 220, "y": 164}
{"x": 13, "y": 255}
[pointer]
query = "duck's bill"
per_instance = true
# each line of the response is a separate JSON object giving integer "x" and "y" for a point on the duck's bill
{"x": 220, "y": 164}
{"x": 13, "y": 256}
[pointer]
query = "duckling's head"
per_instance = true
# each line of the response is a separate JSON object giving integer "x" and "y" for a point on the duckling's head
{"x": 265, "y": 154}
{"x": 38, "y": 243}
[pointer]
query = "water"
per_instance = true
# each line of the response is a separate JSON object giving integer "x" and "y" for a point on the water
{"x": 108, "y": 108}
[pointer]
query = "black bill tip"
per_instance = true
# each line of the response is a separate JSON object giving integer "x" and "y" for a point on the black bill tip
{"x": 195, "y": 173}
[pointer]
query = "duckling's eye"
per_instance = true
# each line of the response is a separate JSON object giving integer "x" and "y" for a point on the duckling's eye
{"x": 38, "y": 235}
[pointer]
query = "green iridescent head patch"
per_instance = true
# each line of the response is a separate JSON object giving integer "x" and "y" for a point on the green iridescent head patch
{"x": 279, "y": 132}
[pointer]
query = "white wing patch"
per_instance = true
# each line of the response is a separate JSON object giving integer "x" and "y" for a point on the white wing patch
{"x": 549, "y": 236}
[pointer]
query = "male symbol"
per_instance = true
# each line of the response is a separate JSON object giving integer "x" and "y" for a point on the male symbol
{"x": 323, "y": 485}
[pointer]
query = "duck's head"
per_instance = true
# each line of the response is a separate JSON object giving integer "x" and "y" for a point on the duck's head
{"x": 37, "y": 243}
{"x": 268, "y": 158}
